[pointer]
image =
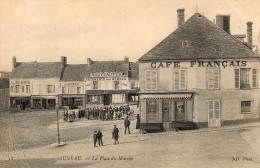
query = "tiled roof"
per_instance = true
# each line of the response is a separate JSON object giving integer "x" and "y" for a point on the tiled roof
{"x": 74, "y": 72}
{"x": 198, "y": 38}
{"x": 108, "y": 66}
{"x": 37, "y": 70}
{"x": 134, "y": 70}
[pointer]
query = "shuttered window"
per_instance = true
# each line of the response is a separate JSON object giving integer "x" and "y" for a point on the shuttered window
{"x": 50, "y": 89}
{"x": 213, "y": 78}
{"x": 151, "y": 79}
{"x": 179, "y": 79}
{"x": 214, "y": 109}
{"x": 95, "y": 85}
{"x": 237, "y": 78}
{"x": 254, "y": 78}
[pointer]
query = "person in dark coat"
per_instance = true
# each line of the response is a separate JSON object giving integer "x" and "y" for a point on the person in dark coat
{"x": 115, "y": 135}
{"x": 127, "y": 125}
{"x": 99, "y": 137}
{"x": 95, "y": 138}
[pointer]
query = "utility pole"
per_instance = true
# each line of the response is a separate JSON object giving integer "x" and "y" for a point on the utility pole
{"x": 58, "y": 144}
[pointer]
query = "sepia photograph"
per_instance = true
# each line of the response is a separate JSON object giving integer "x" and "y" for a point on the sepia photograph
{"x": 129, "y": 83}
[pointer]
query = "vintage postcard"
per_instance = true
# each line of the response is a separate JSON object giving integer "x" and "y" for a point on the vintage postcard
{"x": 147, "y": 83}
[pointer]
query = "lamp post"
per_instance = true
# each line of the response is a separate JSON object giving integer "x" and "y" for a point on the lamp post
{"x": 58, "y": 144}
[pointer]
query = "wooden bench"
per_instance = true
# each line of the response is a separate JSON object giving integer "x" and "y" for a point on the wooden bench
{"x": 151, "y": 127}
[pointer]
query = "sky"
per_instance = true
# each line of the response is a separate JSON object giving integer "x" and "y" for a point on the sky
{"x": 45, "y": 30}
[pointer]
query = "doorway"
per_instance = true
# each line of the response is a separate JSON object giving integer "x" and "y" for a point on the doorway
{"x": 166, "y": 110}
{"x": 214, "y": 113}
{"x": 106, "y": 99}
{"x": 23, "y": 105}
{"x": 180, "y": 111}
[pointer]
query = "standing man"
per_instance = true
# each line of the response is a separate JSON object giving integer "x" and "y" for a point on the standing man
{"x": 99, "y": 137}
{"x": 115, "y": 135}
{"x": 95, "y": 138}
{"x": 127, "y": 124}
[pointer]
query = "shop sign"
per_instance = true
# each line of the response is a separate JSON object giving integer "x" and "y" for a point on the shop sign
{"x": 223, "y": 64}
{"x": 70, "y": 84}
{"x": 107, "y": 79}
{"x": 105, "y": 74}
{"x": 20, "y": 82}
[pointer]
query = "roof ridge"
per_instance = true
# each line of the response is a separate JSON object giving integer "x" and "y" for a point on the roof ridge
{"x": 207, "y": 41}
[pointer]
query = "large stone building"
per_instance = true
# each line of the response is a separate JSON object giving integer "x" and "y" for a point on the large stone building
{"x": 200, "y": 73}
{"x": 35, "y": 84}
{"x": 42, "y": 85}
{"x": 72, "y": 86}
{"x": 111, "y": 82}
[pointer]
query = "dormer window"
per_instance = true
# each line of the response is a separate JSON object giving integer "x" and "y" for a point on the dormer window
{"x": 185, "y": 43}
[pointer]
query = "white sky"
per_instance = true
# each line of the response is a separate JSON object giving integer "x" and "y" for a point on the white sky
{"x": 44, "y": 30}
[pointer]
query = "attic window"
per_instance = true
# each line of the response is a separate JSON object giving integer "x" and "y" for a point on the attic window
{"x": 185, "y": 43}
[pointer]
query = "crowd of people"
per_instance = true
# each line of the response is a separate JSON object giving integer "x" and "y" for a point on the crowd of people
{"x": 103, "y": 113}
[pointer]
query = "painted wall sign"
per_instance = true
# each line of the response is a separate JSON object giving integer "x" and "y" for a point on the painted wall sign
{"x": 20, "y": 82}
{"x": 224, "y": 64}
{"x": 107, "y": 79}
{"x": 70, "y": 84}
{"x": 105, "y": 74}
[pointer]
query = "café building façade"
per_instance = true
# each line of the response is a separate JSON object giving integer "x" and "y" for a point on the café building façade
{"x": 200, "y": 73}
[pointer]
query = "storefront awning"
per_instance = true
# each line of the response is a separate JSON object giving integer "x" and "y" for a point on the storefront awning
{"x": 167, "y": 96}
{"x": 44, "y": 97}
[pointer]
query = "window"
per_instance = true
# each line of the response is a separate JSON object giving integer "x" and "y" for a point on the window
{"x": 94, "y": 98}
{"x": 132, "y": 98}
{"x": 71, "y": 89}
{"x": 95, "y": 84}
{"x": 185, "y": 43}
{"x": 118, "y": 98}
{"x": 212, "y": 78}
{"x": 78, "y": 90}
{"x": 214, "y": 109}
{"x": 50, "y": 88}
{"x": 28, "y": 89}
{"x": 245, "y": 107}
{"x": 245, "y": 78}
{"x": 63, "y": 90}
{"x": 179, "y": 79}
{"x": 151, "y": 79}
{"x": 254, "y": 78}
{"x": 152, "y": 112}
{"x": 132, "y": 84}
{"x": 17, "y": 87}
{"x": 22, "y": 89}
{"x": 117, "y": 85}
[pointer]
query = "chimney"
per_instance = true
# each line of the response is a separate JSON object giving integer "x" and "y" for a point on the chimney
{"x": 64, "y": 61}
{"x": 89, "y": 61}
{"x": 126, "y": 59}
{"x": 223, "y": 21}
{"x": 180, "y": 16}
{"x": 14, "y": 62}
{"x": 249, "y": 34}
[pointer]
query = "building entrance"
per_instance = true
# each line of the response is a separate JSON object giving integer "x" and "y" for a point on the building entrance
{"x": 107, "y": 99}
{"x": 180, "y": 111}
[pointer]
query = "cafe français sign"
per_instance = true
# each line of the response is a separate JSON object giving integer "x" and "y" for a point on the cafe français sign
{"x": 224, "y": 64}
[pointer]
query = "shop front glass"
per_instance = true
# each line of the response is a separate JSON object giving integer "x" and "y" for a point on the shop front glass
{"x": 152, "y": 112}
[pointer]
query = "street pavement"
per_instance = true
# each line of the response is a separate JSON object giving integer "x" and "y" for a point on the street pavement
{"x": 28, "y": 136}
